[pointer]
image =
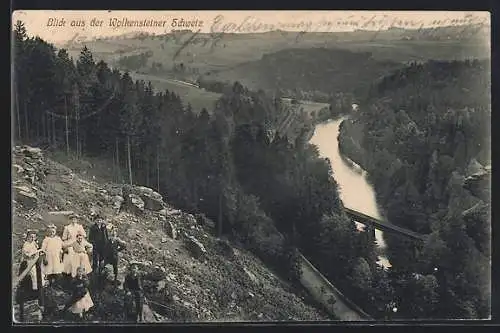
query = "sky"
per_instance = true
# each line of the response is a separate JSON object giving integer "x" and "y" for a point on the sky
{"x": 49, "y": 25}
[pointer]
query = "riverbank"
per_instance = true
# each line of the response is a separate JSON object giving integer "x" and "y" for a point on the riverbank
{"x": 354, "y": 189}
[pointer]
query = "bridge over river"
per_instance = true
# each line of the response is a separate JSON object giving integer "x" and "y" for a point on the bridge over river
{"x": 381, "y": 225}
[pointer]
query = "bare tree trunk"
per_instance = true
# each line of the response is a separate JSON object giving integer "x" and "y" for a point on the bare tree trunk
{"x": 53, "y": 130}
{"x": 129, "y": 160}
{"x": 38, "y": 120}
{"x": 77, "y": 136}
{"x": 147, "y": 170}
{"x": 26, "y": 120}
{"x": 18, "y": 117}
{"x": 44, "y": 128}
{"x": 158, "y": 168}
{"x": 49, "y": 127}
{"x": 219, "y": 220}
{"x": 66, "y": 119}
{"x": 118, "y": 160}
{"x": 83, "y": 140}
{"x": 194, "y": 188}
{"x": 114, "y": 168}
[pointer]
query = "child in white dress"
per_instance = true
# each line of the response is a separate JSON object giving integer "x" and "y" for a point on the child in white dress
{"x": 52, "y": 246}
{"x": 80, "y": 301}
{"x": 78, "y": 256}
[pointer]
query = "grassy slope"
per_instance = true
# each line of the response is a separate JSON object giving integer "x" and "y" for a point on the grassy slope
{"x": 198, "y": 98}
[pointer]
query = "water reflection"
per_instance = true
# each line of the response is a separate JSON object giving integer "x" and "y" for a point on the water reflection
{"x": 355, "y": 191}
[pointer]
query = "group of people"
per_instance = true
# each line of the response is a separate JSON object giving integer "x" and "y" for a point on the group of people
{"x": 69, "y": 256}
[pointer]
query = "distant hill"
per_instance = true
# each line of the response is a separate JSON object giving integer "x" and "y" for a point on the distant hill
{"x": 207, "y": 52}
{"x": 318, "y": 71}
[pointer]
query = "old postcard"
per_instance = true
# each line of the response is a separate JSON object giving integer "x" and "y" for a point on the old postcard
{"x": 250, "y": 166}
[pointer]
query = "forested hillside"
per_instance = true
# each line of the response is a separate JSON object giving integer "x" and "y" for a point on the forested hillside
{"x": 273, "y": 195}
{"x": 315, "y": 73}
{"x": 423, "y": 134}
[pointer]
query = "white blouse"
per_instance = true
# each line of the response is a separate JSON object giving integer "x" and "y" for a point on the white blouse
{"x": 71, "y": 230}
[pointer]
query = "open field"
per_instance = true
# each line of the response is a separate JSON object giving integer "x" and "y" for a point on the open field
{"x": 198, "y": 98}
{"x": 308, "y": 106}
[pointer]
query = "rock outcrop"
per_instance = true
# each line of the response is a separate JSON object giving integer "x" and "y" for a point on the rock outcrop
{"x": 195, "y": 247}
{"x": 26, "y": 196}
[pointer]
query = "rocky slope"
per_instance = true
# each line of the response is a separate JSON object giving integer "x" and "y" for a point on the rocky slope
{"x": 189, "y": 274}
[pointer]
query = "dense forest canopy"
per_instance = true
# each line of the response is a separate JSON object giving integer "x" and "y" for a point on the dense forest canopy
{"x": 421, "y": 133}
{"x": 310, "y": 73}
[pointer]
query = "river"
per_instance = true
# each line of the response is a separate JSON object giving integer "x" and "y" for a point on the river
{"x": 355, "y": 191}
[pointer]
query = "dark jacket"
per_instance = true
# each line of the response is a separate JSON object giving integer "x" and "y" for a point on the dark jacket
{"x": 112, "y": 248}
{"x": 133, "y": 284}
{"x": 98, "y": 236}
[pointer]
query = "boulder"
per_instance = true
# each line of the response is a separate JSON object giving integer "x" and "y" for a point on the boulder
{"x": 32, "y": 152}
{"x": 225, "y": 248}
{"x": 170, "y": 230}
{"x": 251, "y": 276}
{"x": 19, "y": 169}
{"x": 195, "y": 247}
{"x": 135, "y": 204}
{"x": 58, "y": 217}
{"x": 115, "y": 191}
{"x": 191, "y": 219}
{"x": 205, "y": 221}
{"x": 171, "y": 212}
{"x": 152, "y": 200}
{"x": 26, "y": 197}
{"x": 117, "y": 202}
{"x": 155, "y": 273}
{"x": 152, "y": 203}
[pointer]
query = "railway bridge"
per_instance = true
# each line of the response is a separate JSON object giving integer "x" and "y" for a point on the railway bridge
{"x": 373, "y": 223}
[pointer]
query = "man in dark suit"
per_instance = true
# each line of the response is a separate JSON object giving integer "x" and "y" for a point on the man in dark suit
{"x": 113, "y": 247}
{"x": 98, "y": 237}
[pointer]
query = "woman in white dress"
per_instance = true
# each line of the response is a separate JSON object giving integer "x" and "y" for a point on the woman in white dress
{"x": 30, "y": 250}
{"x": 78, "y": 256}
{"x": 52, "y": 246}
{"x": 68, "y": 238}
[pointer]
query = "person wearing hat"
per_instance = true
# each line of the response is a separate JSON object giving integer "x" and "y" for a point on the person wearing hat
{"x": 114, "y": 246}
{"x": 98, "y": 237}
{"x": 133, "y": 289}
{"x": 69, "y": 237}
{"x": 52, "y": 246}
{"x": 70, "y": 231}
{"x": 79, "y": 256}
